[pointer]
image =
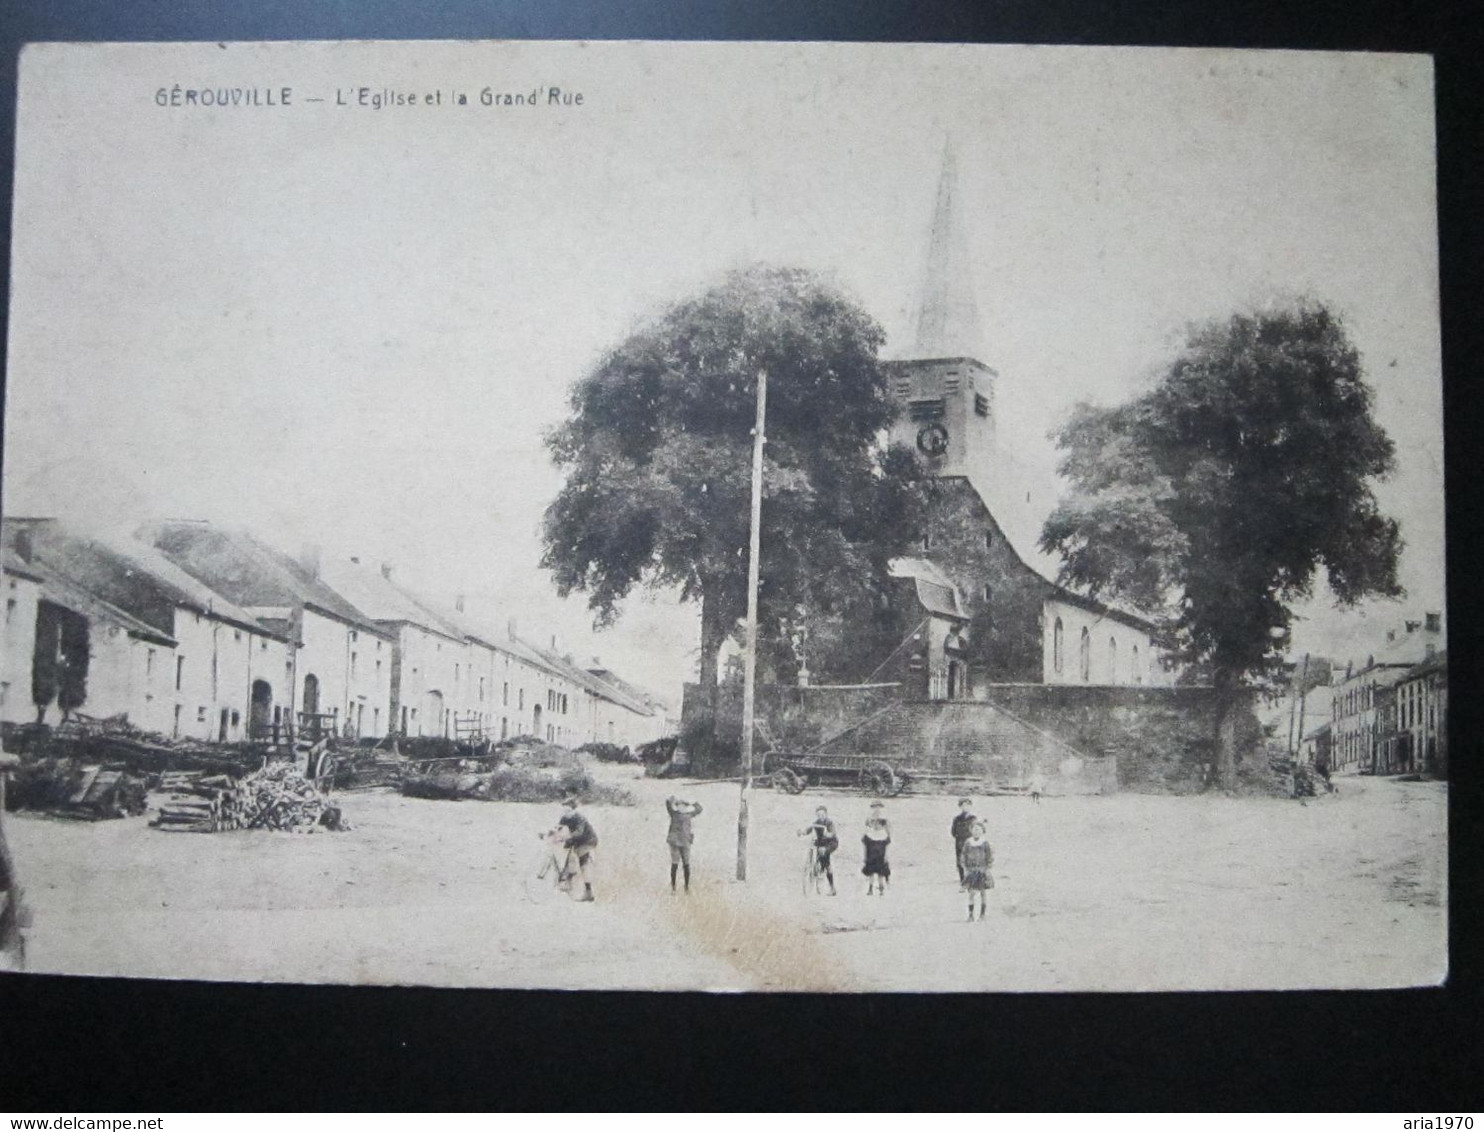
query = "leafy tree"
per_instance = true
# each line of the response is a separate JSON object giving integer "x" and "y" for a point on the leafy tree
{"x": 46, "y": 658}
{"x": 657, "y": 453}
{"x": 1213, "y": 500}
{"x": 59, "y": 660}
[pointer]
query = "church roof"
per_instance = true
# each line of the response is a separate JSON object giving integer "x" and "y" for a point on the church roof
{"x": 948, "y": 318}
{"x": 935, "y": 591}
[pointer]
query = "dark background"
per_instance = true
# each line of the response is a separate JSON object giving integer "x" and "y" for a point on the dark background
{"x": 78, "y": 1045}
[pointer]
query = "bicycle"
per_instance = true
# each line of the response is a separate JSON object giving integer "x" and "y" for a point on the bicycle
{"x": 557, "y": 872}
{"x": 813, "y": 868}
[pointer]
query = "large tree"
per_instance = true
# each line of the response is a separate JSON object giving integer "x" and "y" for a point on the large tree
{"x": 657, "y": 455}
{"x": 1213, "y": 500}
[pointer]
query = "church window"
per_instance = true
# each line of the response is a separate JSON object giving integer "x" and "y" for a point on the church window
{"x": 981, "y": 404}
{"x": 988, "y": 539}
{"x": 988, "y": 593}
{"x": 1138, "y": 672}
{"x": 1112, "y": 660}
{"x": 1056, "y": 653}
{"x": 1084, "y": 657}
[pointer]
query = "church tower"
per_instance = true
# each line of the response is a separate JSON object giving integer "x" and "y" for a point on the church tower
{"x": 946, "y": 392}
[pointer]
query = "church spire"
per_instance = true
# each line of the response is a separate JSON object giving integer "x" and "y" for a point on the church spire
{"x": 948, "y": 321}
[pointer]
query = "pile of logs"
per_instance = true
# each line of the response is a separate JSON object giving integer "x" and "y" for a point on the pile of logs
{"x": 73, "y": 789}
{"x": 274, "y": 797}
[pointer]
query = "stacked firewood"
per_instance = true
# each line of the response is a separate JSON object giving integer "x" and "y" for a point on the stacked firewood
{"x": 274, "y": 797}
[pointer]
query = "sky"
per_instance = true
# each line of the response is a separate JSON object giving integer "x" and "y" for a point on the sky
{"x": 352, "y": 326}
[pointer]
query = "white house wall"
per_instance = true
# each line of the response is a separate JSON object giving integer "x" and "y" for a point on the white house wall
{"x": 216, "y": 664}
{"x": 16, "y": 649}
{"x": 353, "y": 668}
{"x": 1113, "y": 652}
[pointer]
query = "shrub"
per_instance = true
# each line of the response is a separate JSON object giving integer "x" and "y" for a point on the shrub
{"x": 608, "y": 752}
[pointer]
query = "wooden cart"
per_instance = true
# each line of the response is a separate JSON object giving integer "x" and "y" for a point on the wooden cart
{"x": 791, "y": 772}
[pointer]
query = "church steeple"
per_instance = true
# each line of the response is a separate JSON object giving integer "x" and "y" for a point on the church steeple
{"x": 948, "y": 320}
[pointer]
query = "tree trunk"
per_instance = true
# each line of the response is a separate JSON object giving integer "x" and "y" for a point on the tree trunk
{"x": 712, "y": 635}
{"x": 1228, "y": 709}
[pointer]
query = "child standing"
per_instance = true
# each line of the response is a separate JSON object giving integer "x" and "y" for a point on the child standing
{"x": 975, "y": 858}
{"x": 876, "y": 870}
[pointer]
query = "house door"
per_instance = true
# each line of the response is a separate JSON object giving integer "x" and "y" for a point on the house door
{"x": 433, "y": 712}
{"x": 536, "y": 721}
{"x": 222, "y": 730}
{"x": 261, "y": 712}
{"x": 311, "y": 694}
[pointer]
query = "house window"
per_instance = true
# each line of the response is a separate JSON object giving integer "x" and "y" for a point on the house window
{"x": 927, "y": 542}
{"x": 354, "y": 636}
{"x": 988, "y": 593}
{"x": 521, "y": 699}
{"x": 505, "y": 694}
{"x": 988, "y": 540}
{"x": 149, "y": 661}
{"x": 378, "y": 672}
{"x": 236, "y": 719}
{"x": 1138, "y": 672}
{"x": 504, "y": 727}
{"x": 352, "y": 666}
{"x": 1084, "y": 657}
{"x": 179, "y": 671}
{"x": 1056, "y": 647}
{"x": 237, "y": 634}
{"x": 9, "y": 609}
{"x": 263, "y": 645}
{"x": 201, "y": 714}
{"x": 481, "y": 689}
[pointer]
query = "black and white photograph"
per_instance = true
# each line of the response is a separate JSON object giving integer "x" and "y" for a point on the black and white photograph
{"x": 758, "y": 517}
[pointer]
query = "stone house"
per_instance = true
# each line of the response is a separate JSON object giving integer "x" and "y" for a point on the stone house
{"x": 1364, "y": 699}
{"x": 164, "y": 649}
{"x": 342, "y": 659}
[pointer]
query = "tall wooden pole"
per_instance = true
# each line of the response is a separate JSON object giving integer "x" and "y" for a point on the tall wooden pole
{"x": 749, "y": 660}
{"x": 1303, "y": 701}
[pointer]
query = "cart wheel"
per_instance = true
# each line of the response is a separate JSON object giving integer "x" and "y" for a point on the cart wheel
{"x": 879, "y": 779}
{"x": 788, "y": 781}
{"x": 900, "y": 786}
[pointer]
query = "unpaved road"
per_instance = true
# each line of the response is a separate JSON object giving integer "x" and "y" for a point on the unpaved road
{"x": 1128, "y": 892}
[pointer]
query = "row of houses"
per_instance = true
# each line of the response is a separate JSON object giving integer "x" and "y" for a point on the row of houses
{"x": 1389, "y": 715}
{"x": 199, "y": 631}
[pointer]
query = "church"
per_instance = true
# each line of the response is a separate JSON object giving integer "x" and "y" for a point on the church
{"x": 973, "y": 611}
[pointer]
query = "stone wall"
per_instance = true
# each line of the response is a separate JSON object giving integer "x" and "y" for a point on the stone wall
{"x": 1151, "y": 740}
{"x": 1163, "y": 738}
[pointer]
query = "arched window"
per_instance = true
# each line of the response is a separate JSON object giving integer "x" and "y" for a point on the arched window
{"x": 1056, "y": 653}
{"x": 1084, "y": 657}
{"x": 1138, "y": 672}
{"x": 1112, "y": 660}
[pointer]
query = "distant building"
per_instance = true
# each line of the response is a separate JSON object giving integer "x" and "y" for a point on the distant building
{"x": 1364, "y": 716}
{"x": 1413, "y": 721}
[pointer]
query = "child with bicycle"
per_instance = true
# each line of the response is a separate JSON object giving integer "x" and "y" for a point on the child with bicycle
{"x": 826, "y": 841}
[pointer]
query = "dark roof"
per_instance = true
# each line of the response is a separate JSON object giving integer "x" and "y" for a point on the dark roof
{"x": 1438, "y": 662}
{"x": 59, "y": 591}
{"x": 15, "y": 564}
{"x": 128, "y": 574}
{"x": 251, "y": 573}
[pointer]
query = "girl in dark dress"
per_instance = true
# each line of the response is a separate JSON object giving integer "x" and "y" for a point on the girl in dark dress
{"x": 876, "y": 870}
{"x": 975, "y": 858}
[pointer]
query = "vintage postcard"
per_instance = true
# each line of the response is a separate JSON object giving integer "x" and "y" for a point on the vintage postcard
{"x": 724, "y": 516}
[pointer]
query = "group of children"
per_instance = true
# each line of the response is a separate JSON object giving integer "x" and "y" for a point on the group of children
{"x": 972, "y": 851}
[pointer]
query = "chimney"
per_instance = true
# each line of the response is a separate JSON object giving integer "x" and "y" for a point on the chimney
{"x": 458, "y": 603}
{"x": 1434, "y": 622}
{"x": 386, "y": 571}
{"x": 309, "y": 558}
